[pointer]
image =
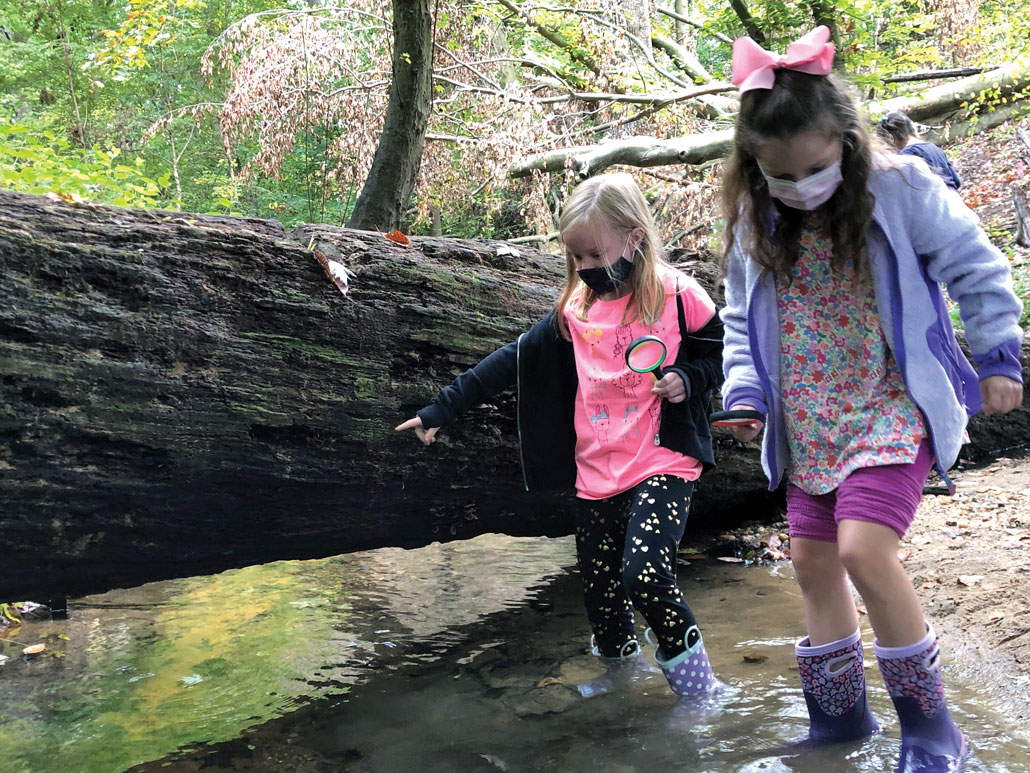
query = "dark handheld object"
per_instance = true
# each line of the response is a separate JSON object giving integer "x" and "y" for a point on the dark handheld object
{"x": 736, "y": 419}
{"x": 646, "y": 355}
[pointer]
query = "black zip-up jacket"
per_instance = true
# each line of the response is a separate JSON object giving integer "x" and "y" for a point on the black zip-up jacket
{"x": 542, "y": 365}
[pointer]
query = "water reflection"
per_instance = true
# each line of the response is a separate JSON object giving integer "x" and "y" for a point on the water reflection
{"x": 467, "y": 656}
{"x": 136, "y": 674}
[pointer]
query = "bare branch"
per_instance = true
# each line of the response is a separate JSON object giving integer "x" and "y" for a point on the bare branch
{"x": 634, "y": 151}
{"x": 696, "y": 24}
{"x": 958, "y": 72}
{"x": 683, "y": 59}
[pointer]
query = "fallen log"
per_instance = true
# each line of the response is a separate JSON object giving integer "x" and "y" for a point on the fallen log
{"x": 181, "y": 394}
{"x": 1005, "y": 81}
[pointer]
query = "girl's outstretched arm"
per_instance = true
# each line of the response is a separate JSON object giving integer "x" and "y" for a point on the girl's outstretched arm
{"x": 492, "y": 375}
{"x": 495, "y": 373}
{"x": 427, "y": 436}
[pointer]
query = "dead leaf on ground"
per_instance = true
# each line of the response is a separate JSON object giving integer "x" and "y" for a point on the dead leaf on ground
{"x": 549, "y": 681}
{"x": 771, "y": 540}
{"x": 755, "y": 657}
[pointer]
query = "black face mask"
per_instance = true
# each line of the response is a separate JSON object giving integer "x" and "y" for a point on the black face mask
{"x": 601, "y": 281}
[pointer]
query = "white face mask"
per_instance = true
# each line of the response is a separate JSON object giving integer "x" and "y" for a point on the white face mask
{"x": 809, "y": 193}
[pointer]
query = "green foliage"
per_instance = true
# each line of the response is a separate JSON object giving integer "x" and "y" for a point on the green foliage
{"x": 80, "y": 79}
{"x": 1021, "y": 281}
{"x": 43, "y": 162}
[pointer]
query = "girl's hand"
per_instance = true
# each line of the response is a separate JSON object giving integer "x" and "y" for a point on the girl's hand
{"x": 1000, "y": 394}
{"x": 745, "y": 432}
{"x": 427, "y": 436}
{"x": 671, "y": 387}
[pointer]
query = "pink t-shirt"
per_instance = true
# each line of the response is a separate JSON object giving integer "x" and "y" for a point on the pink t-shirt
{"x": 616, "y": 415}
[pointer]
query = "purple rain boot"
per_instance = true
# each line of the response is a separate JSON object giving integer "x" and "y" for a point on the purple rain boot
{"x": 833, "y": 681}
{"x": 930, "y": 741}
{"x": 690, "y": 672}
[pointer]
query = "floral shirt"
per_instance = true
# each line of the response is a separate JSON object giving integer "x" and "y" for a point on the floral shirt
{"x": 844, "y": 400}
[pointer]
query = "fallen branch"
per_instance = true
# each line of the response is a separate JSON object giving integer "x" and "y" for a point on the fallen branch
{"x": 937, "y": 106}
{"x": 634, "y": 151}
{"x": 929, "y": 75}
{"x": 930, "y": 105}
{"x": 682, "y": 58}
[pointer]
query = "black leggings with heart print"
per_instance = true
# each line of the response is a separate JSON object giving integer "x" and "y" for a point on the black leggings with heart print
{"x": 626, "y": 548}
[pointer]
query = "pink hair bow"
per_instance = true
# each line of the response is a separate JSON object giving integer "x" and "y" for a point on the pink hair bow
{"x": 755, "y": 68}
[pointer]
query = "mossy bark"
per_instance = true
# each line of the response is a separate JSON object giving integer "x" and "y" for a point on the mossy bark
{"x": 181, "y": 394}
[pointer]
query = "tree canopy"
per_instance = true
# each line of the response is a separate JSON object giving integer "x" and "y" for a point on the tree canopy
{"x": 275, "y": 109}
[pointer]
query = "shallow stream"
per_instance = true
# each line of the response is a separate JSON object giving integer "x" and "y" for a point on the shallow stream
{"x": 459, "y": 657}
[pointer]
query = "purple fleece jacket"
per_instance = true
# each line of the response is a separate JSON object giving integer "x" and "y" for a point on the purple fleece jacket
{"x": 922, "y": 236}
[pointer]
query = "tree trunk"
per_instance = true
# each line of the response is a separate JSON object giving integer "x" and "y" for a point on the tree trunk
{"x": 391, "y": 179}
{"x": 684, "y": 32}
{"x": 638, "y": 22}
{"x": 182, "y": 394}
{"x": 1022, "y": 217}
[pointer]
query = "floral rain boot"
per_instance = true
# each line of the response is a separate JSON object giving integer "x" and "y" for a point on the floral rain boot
{"x": 690, "y": 672}
{"x": 833, "y": 681}
{"x": 930, "y": 741}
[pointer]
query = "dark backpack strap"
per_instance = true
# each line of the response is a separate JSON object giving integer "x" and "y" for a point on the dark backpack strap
{"x": 682, "y": 315}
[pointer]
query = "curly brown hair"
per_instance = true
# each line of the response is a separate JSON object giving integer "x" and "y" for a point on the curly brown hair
{"x": 768, "y": 230}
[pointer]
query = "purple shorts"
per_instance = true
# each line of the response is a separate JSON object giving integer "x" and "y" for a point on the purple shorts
{"x": 887, "y": 495}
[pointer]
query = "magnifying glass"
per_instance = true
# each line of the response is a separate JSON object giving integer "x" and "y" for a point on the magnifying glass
{"x": 646, "y": 355}
{"x": 736, "y": 419}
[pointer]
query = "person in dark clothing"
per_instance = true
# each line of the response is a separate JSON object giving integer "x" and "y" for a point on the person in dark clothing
{"x": 899, "y": 130}
{"x": 631, "y": 444}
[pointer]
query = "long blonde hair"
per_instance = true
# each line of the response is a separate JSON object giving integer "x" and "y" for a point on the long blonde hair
{"x": 614, "y": 201}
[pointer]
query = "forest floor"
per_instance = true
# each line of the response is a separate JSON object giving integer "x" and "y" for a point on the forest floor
{"x": 968, "y": 555}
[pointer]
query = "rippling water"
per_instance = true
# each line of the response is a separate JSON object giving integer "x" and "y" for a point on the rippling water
{"x": 458, "y": 657}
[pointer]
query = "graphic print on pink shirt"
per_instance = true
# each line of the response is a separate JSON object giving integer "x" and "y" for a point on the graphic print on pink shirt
{"x": 617, "y": 417}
